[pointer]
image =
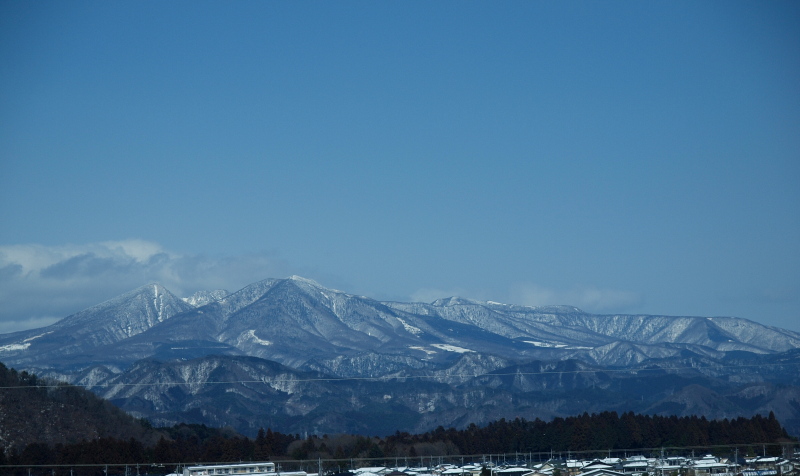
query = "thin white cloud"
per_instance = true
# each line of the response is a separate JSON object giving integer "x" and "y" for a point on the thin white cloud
{"x": 40, "y": 284}
{"x": 587, "y": 298}
{"x": 33, "y": 258}
{"x": 428, "y": 295}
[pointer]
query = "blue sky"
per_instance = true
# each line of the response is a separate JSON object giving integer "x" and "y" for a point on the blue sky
{"x": 622, "y": 157}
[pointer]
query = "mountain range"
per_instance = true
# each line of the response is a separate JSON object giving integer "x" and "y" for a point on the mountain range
{"x": 294, "y": 356}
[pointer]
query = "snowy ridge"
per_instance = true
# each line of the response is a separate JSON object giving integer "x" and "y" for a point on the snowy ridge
{"x": 294, "y": 346}
{"x": 201, "y": 298}
{"x": 111, "y": 321}
{"x": 295, "y": 320}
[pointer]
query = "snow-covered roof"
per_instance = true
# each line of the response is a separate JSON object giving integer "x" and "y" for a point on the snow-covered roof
{"x": 366, "y": 471}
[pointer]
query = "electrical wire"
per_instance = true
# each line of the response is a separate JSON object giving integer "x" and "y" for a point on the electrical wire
{"x": 392, "y": 378}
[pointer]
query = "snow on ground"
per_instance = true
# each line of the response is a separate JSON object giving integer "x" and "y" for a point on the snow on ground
{"x": 546, "y": 344}
{"x": 451, "y": 348}
{"x": 557, "y": 346}
{"x": 10, "y": 347}
{"x": 22, "y": 345}
{"x": 409, "y": 328}
{"x": 251, "y": 335}
{"x": 427, "y": 351}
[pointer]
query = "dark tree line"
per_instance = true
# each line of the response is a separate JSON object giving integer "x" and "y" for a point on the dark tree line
{"x": 605, "y": 431}
{"x": 180, "y": 444}
{"x": 51, "y": 417}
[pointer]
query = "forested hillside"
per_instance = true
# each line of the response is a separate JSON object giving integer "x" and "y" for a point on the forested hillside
{"x": 603, "y": 432}
{"x": 45, "y": 423}
{"x": 41, "y": 411}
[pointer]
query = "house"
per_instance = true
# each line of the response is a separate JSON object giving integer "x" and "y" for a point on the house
{"x": 546, "y": 468}
{"x": 602, "y": 472}
{"x": 513, "y": 471}
{"x": 574, "y": 466}
{"x": 768, "y": 466}
{"x": 596, "y": 464}
{"x": 708, "y": 465}
{"x": 372, "y": 471}
{"x": 669, "y": 465}
{"x": 635, "y": 464}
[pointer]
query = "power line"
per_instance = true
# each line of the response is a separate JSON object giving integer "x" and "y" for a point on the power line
{"x": 529, "y": 456}
{"x": 396, "y": 377}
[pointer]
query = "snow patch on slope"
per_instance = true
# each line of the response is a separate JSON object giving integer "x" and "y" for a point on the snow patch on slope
{"x": 201, "y": 298}
{"x": 427, "y": 351}
{"x": 409, "y": 328}
{"x": 451, "y": 348}
{"x": 545, "y": 344}
{"x": 11, "y": 347}
{"x": 252, "y": 337}
{"x": 22, "y": 345}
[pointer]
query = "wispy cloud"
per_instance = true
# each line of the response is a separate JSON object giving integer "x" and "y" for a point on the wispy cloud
{"x": 40, "y": 284}
{"x": 431, "y": 294}
{"x": 587, "y": 298}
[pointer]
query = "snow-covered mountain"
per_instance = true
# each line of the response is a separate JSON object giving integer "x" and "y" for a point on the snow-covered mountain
{"x": 569, "y": 327}
{"x": 248, "y": 392}
{"x": 201, "y": 298}
{"x": 450, "y": 349}
{"x": 297, "y": 322}
{"x": 107, "y": 323}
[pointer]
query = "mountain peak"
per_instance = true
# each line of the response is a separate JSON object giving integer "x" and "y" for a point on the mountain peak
{"x": 111, "y": 321}
{"x": 139, "y": 309}
{"x": 309, "y": 285}
{"x": 305, "y": 283}
{"x": 454, "y": 301}
{"x": 201, "y": 298}
{"x": 301, "y": 279}
{"x": 148, "y": 291}
{"x": 299, "y": 323}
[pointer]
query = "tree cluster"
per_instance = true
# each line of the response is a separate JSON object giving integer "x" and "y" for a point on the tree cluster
{"x": 46, "y": 424}
{"x": 603, "y": 431}
{"x": 35, "y": 410}
{"x": 181, "y": 444}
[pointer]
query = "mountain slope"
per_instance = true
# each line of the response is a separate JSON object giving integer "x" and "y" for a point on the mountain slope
{"x": 247, "y": 393}
{"x": 296, "y": 321}
{"x": 61, "y": 414}
{"x": 364, "y": 365}
{"x": 109, "y": 322}
{"x": 565, "y": 327}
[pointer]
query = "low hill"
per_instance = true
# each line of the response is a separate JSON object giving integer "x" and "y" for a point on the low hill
{"x": 42, "y": 411}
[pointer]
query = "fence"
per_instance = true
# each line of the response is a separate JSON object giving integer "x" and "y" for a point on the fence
{"x": 332, "y": 466}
